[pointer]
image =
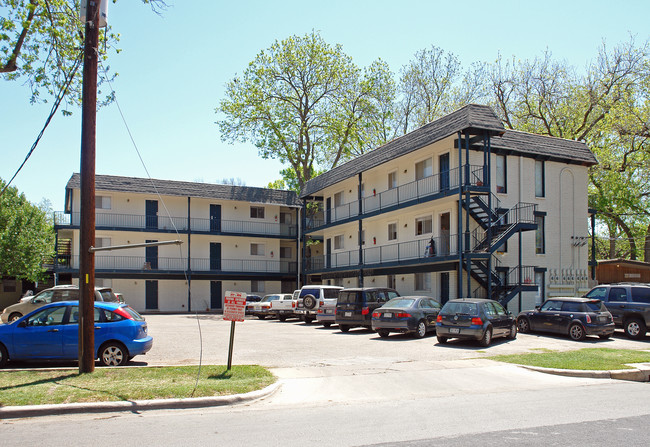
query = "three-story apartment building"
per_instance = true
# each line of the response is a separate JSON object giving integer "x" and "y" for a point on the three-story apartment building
{"x": 459, "y": 207}
{"x": 233, "y": 238}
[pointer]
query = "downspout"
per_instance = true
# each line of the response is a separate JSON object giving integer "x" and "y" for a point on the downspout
{"x": 359, "y": 239}
{"x": 189, "y": 257}
{"x": 298, "y": 251}
{"x": 459, "y": 282}
{"x": 467, "y": 194}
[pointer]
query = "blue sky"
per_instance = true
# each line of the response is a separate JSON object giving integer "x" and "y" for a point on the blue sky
{"x": 173, "y": 69}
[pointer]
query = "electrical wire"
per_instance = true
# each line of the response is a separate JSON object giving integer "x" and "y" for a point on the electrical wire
{"x": 55, "y": 107}
{"x": 153, "y": 184}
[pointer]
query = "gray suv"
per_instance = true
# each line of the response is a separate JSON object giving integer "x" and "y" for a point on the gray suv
{"x": 628, "y": 303}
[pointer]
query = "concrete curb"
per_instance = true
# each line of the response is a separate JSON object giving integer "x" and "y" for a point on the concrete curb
{"x": 135, "y": 406}
{"x": 640, "y": 372}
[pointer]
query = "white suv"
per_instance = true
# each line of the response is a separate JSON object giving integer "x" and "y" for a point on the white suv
{"x": 310, "y": 297}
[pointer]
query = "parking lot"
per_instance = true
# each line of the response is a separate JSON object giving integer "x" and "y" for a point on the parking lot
{"x": 294, "y": 344}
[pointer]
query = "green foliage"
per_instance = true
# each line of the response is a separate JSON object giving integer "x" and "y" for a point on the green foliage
{"x": 303, "y": 102}
{"x": 26, "y": 236}
{"x": 603, "y": 359}
{"x": 40, "y": 42}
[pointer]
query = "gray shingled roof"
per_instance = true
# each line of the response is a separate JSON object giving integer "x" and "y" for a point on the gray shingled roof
{"x": 189, "y": 189}
{"x": 473, "y": 119}
{"x": 544, "y": 146}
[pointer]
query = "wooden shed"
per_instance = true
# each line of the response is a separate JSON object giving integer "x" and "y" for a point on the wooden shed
{"x": 622, "y": 270}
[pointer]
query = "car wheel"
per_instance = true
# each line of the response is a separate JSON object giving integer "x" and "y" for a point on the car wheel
{"x": 308, "y": 320}
{"x": 282, "y": 318}
{"x": 421, "y": 329}
{"x": 486, "y": 339}
{"x": 442, "y": 340}
{"x": 113, "y": 354}
{"x": 513, "y": 331}
{"x": 328, "y": 324}
{"x": 577, "y": 332}
{"x": 4, "y": 356}
{"x": 383, "y": 333}
{"x": 344, "y": 327}
{"x": 309, "y": 301}
{"x": 14, "y": 316}
{"x": 261, "y": 317}
{"x": 635, "y": 328}
{"x": 523, "y": 325}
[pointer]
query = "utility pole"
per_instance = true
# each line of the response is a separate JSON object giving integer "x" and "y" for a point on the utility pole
{"x": 87, "y": 233}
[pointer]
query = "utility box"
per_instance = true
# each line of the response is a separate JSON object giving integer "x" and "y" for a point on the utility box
{"x": 103, "y": 12}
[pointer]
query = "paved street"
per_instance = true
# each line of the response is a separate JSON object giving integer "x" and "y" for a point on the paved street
{"x": 357, "y": 389}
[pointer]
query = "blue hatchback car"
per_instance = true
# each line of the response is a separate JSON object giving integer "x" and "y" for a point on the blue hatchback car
{"x": 52, "y": 333}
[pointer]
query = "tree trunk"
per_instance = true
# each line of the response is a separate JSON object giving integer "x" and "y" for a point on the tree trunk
{"x": 646, "y": 246}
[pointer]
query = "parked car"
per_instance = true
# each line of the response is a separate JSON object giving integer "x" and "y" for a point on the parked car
{"x": 262, "y": 309}
{"x": 629, "y": 305}
{"x": 52, "y": 333}
{"x": 52, "y": 295}
{"x": 355, "y": 306}
{"x": 284, "y": 307}
{"x": 326, "y": 313}
{"x": 251, "y": 299}
{"x": 414, "y": 314}
{"x": 577, "y": 317}
{"x": 309, "y": 299}
{"x": 475, "y": 318}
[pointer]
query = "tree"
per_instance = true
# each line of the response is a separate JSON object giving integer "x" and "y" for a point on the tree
{"x": 26, "y": 236}
{"x": 41, "y": 42}
{"x": 304, "y": 102}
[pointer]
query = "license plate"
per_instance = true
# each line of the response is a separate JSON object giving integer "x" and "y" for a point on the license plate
{"x": 388, "y": 315}
{"x": 348, "y": 314}
{"x": 454, "y": 330}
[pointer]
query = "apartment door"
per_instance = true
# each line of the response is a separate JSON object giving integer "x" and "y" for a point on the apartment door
{"x": 444, "y": 287}
{"x": 151, "y": 295}
{"x": 151, "y": 256}
{"x": 444, "y": 171}
{"x": 215, "y": 218}
{"x": 151, "y": 214}
{"x": 215, "y": 295}
{"x": 445, "y": 237}
{"x": 328, "y": 254}
{"x": 215, "y": 256}
{"x": 328, "y": 210}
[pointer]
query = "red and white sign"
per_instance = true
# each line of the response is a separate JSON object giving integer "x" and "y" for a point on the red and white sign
{"x": 234, "y": 305}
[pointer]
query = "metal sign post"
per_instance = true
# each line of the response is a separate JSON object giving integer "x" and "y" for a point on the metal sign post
{"x": 233, "y": 310}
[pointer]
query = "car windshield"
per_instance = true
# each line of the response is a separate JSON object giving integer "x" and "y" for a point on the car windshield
{"x": 595, "y": 306}
{"x": 109, "y": 296}
{"x": 399, "y": 302}
{"x": 268, "y": 298}
{"x": 460, "y": 308}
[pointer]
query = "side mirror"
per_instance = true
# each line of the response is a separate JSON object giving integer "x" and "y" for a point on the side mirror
{"x": 537, "y": 308}
{"x": 22, "y": 323}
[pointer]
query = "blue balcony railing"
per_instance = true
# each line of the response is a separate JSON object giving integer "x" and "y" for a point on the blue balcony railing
{"x": 387, "y": 254}
{"x": 165, "y": 223}
{"x": 179, "y": 264}
{"x": 416, "y": 190}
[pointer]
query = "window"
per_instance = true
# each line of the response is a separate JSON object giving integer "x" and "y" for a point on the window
{"x": 285, "y": 218}
{"x": 338, "y": 199}
{"x": 392, "y": 180}
{"x": 390, "y": 281}
{"x": 257, "y": 286}
{"x": 47, "y": 317}
{"x": 257, "y": 249}
{"x": 392, "y": 231}
{"x": 8, "y": 285}
{"x": 617, "y": 294}
{"x": 423, "y": 225}
{"x": 362, "y": 190}
{"x": 423, "y": 281}
{"x": 540, "y": 242}
{"x": 102, "y": 202}
{"x": 423, "y": 169}
{"x": 501, "y": 174}
{"x": 641, "y": 294}
{"x": 599, "y": 293}
{"x": 339, "y": 242}
{"x": 285, "y": 252}
{"x": 539, "y": 280}
{"x": 539, "y": 178}
{"x": 363, "y": 237}
{"x": 257, "y": 212}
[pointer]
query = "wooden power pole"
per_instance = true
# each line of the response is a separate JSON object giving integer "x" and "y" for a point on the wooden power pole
{"x": 87, "y": 233}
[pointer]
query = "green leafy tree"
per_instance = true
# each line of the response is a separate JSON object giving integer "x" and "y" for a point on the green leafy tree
{"x": 41, "y": 42}
{"x": 26, "y": 236}
{"x": 304, "y": 102}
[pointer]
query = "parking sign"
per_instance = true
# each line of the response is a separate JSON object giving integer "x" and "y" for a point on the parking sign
{"x": 234, "y": 306}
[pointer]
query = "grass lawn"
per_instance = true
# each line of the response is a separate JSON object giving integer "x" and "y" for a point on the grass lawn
{"x": 36, "y": 387}
{"x": 583, "y": 359}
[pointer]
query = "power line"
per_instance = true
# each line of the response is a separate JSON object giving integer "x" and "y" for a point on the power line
{"x": 55, "y": 106}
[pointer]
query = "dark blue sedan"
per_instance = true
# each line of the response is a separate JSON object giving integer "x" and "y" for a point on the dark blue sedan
{"x": 52, "y": 333}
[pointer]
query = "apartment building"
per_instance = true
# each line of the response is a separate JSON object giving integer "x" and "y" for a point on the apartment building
{"x": 459, "y": 207}
{"x": 233, "y": 238}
